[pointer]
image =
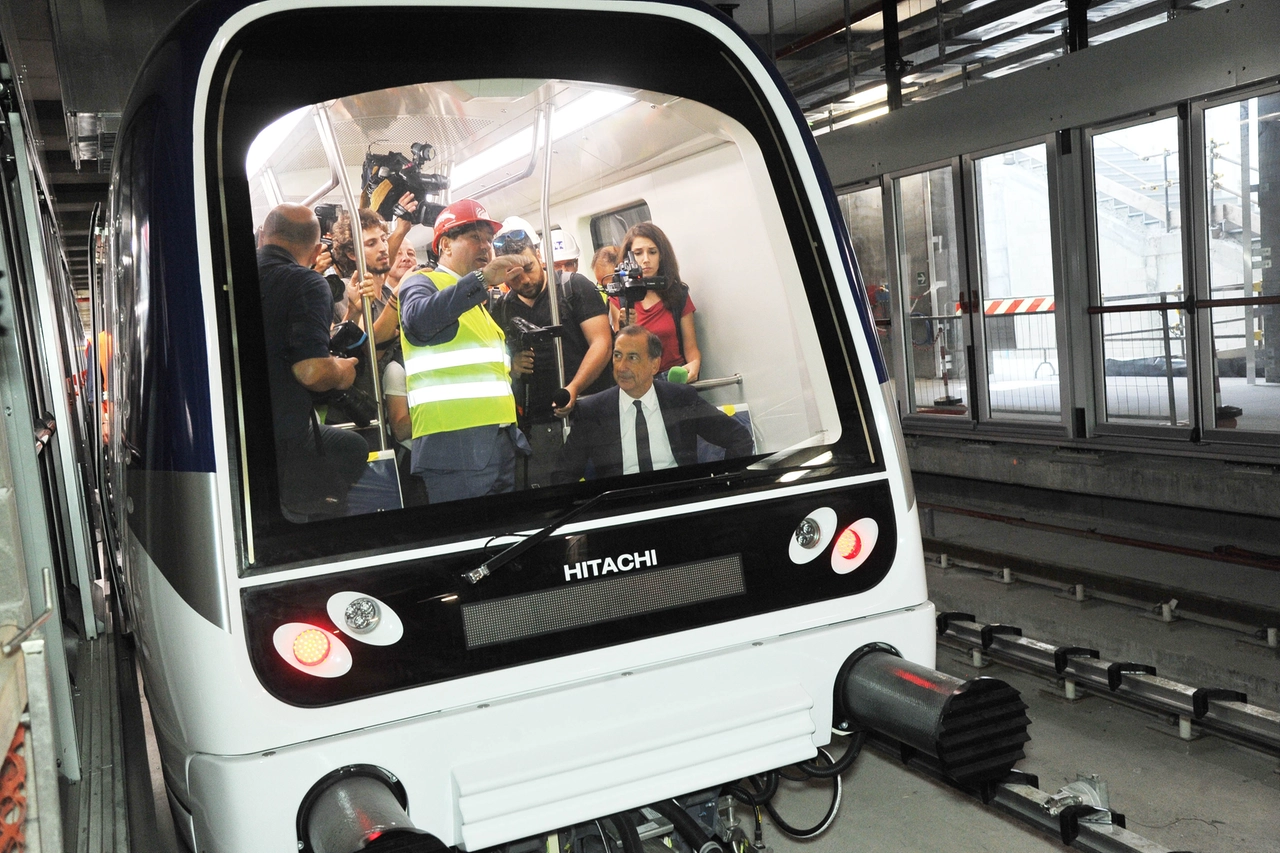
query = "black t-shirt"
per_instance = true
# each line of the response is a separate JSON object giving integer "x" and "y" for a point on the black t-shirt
{"x": 579, "y": 301}
{"x": 297, "y": 308}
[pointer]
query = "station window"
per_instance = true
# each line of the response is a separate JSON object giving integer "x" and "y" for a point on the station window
{"x": 930, "y": 269}
{"x": 607, "y": 229}
{"x": 1242, "y": 195}
{"x": 1138, "y": 221}
{"x": 863, "y": 211}
{"x": 1015, "y": 272}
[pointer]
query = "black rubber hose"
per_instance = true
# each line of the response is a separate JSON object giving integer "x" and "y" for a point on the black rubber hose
{"x": 822, "y": 825}
{"x": 768, "y": 787}
{"x": 627, "y": 832}
{"x": 856, "y": 741}
{"x": 688, "y": 828}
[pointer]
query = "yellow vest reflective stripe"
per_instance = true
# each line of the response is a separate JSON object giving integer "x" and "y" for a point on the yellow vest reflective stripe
{"x": 462, "y": 383}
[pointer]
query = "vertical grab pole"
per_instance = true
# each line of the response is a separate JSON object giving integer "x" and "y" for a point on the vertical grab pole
{"x": 334, "y": 155}
{"x": 548, "y": 255}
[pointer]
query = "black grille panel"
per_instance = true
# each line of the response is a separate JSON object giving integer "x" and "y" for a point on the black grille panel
{"x": 518, "y": 617}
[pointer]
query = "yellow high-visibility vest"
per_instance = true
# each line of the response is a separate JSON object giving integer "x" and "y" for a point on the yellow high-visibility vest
{"x": 465, "y": 382}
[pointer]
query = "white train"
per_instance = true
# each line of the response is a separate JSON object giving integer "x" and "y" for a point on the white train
{"x": 546, "y": 694}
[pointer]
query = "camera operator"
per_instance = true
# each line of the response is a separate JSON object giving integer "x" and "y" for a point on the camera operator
{"x": 461, "y": 408}
{"x": 317, "y": 464}
{"x": 585, "y": 343}
{"x": 379, "y": 248}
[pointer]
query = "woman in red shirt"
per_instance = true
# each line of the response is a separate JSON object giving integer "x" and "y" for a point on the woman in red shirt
{"x": 661, "y": 310}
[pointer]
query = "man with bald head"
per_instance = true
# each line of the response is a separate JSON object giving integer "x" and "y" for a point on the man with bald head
{"x": 317, "y": 464}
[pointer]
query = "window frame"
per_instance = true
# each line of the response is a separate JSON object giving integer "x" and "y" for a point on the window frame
{"x": 268, "y": 543}
{"x": 1103, "y": 426}
{"x": 1203, "y": 313}
{"x": 1043, "y": 426}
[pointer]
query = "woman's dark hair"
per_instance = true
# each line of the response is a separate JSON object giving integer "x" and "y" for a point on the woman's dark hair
{"x": 668, "y": 267}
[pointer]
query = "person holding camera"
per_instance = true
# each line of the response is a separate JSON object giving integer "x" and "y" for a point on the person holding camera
{"x": 317, "y": 465}
{"x": 461, "y": 407}
{"x": 379, "y": 248}
{"x": 666, "y": 310}
{"x": 525, "y": 312}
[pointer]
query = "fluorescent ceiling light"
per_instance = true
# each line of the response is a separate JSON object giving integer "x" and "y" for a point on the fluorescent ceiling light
{"x": 515, "y": 147}
{"x": 866, "y": 115}
{"x": 270, "y": 138}
{"x": 866, "y": 96}
{"x": 580, "y": 113}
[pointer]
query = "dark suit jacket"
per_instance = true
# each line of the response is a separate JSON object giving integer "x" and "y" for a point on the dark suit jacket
{"x": 597, "y": 431}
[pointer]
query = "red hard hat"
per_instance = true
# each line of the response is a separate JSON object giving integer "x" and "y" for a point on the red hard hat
{"x": 456, "y": 215}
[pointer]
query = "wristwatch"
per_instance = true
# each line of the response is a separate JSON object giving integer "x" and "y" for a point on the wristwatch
{"x": 479, "y": 274}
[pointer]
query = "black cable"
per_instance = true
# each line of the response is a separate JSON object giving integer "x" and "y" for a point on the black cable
{"x": 686, "y": 826}
{"x": 627, "y": 832}
{"x": 802, "y": 777}
{"x": 827, "y": 819}
{"x": 856, "y": 741}
{"x": 768, "y": 787}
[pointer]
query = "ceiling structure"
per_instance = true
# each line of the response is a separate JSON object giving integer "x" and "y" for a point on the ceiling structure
{"x": 75, "y": 61}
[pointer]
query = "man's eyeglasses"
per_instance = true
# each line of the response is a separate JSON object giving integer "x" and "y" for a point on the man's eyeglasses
{"x": 513, "y": 242}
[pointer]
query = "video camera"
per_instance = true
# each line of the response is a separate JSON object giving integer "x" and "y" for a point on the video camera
{"x": 523, "y": 335}
{"x": 628, "y": 283}
{"x": 386, "y": 177}
{"x": 328, "y": 216}
{"x": 350, "y": 341}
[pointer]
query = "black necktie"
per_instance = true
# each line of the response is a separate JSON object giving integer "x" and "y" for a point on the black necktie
{"x": 642, "y": 440}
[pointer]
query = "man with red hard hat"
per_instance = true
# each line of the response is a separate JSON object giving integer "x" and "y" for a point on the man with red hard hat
{"x": 457, "y": 369}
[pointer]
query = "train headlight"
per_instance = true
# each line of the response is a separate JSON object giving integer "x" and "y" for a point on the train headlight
{"x": 364, "y": 618}
{"x": 854, "y": 544}
{"x": 311, "y": 647}
{"x": 362, "y": 615}
{"x": 812, "y": 535}
{"x": 312, "y": 650}
{"x": 849, "y": 545}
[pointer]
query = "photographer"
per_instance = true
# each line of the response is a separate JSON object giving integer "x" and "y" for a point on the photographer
{"x": 317, "y": 464}
{"x": 379, "y": 248}
{"x": 585, "y": 343}
{"x": 666, "y": 311}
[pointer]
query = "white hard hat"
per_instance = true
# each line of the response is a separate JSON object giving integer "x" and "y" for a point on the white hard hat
{"x": 515, "y": 223}
{"x": 563, "y": 246}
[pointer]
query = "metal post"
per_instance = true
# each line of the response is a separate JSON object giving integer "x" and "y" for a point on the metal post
{"x": 1077, "y": 25}
{"x": 1168, "y": 361}
{"x": 43, "y": 757}
{"x": 848, "y": 44}
{"x": 1168, "y": 211}
{"x": 329, "y": 141}
{"x": 772, "y": 48}
{"x": 548, "y": 255}
{"x": 893, "y": 64}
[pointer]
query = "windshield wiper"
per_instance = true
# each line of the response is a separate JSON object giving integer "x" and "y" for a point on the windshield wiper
{"x": 514, "y": 551}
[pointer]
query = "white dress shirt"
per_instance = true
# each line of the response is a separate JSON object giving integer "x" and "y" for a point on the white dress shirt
{"x": 659, "y": 444}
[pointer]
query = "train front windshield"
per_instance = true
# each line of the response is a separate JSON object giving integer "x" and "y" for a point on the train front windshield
{"x": 698, "y": 331}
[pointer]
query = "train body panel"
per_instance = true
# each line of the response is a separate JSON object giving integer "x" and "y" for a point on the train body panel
{"x": 216, "y": 567}
{"x": 532, "y": 763}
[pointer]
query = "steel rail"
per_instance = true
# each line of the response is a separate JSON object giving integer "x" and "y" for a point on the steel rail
{"x": 1222, "y": 711}
{"x": 1082, "y": 827}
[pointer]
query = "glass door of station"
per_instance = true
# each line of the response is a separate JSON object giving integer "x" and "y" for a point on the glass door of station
{"x": 976, "y": 273}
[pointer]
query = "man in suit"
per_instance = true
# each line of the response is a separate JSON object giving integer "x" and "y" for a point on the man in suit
{"x": 643, "y": 425}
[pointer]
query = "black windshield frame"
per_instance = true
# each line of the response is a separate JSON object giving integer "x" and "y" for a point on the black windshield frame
{"x": 273, "y": 66}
